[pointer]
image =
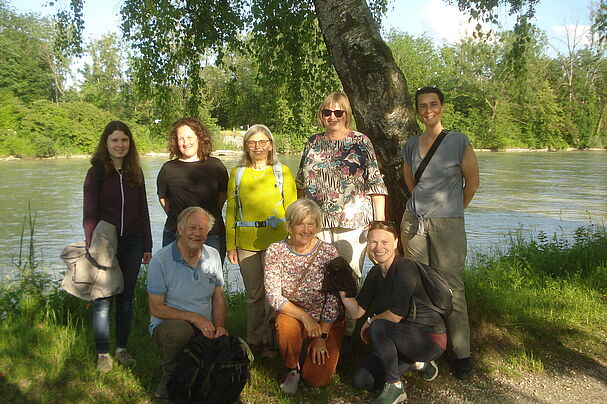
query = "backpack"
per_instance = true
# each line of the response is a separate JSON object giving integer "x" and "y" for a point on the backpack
{"x": 439, "y": 293}
{"x": 210, "y": 370}
{"x": 272, "y": 221}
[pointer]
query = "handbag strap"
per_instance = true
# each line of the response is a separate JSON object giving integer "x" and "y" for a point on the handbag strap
{"x": 306, "y": 270}
{"x": 428, "y": 157}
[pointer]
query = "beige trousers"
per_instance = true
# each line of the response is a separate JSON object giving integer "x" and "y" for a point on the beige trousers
{"x": 259, "y": 312}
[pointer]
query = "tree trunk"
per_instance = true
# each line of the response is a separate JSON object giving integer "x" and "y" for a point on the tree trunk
{"x": 375, "y": 85}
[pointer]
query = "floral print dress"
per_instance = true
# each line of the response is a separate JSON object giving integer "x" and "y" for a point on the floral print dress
{"x": 341, "y": 175}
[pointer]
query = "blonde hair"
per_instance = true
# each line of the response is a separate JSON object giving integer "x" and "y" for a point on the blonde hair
{"x": 253, "y": 130}
{"x": 301, "y": 209}
{"x": 335, "y": 99}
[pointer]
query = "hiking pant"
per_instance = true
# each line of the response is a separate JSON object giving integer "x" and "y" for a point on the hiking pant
{"x": 259, "y": 312}
{"x": 130, "y": 253}
{"x": 441, "y": 243}
{"x": 291, "y": 333}
{"x": 172, "y": 336}
{"x": 396, "y": 348}
{"x": 351, "y": 244}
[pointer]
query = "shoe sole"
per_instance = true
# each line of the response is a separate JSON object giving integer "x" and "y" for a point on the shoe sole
{"x": 433, "y": 376}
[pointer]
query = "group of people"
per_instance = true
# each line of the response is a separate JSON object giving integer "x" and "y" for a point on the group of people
{"x": 282, "y": 231}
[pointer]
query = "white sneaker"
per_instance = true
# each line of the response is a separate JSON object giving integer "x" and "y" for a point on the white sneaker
{"x": 289, "y": 386}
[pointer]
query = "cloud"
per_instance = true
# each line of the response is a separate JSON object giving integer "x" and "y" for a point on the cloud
{"x": 571, "y": 35}
{"x": 446, "y": 22}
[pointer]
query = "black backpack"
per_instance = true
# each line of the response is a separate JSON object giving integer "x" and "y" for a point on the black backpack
{"x": 210, "y": 370}
{"x": 439, "y": 293}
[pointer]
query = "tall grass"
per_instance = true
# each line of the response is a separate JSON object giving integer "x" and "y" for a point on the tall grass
{"x": 541, "y": 298}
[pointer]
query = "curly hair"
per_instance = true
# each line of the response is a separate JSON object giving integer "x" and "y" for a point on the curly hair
{"x": 130, "y": 164}
{"x": 205, "y": 145}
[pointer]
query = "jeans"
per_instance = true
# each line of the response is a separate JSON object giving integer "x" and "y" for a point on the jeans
{"x": 130, "y": 254}
{"x": 217, "y": 241}
{"x": 396, "y": 348}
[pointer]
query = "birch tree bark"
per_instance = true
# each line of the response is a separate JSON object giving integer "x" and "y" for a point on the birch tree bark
{"x": 381, "y": 104}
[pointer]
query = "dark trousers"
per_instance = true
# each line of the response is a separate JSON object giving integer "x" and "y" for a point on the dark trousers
{"x": 396, "y": 348}
{"x": 130, "y": 253}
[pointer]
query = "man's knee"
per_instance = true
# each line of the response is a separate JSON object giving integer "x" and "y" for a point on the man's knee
{"x": 173, "y": 335}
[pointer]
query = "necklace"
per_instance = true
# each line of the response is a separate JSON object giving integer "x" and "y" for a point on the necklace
{"x": 306, "y": 249}
{"x": 256, "y": 176}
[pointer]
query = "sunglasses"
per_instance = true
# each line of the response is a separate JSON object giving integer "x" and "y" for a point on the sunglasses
{"x": 262, "y": 143}
{"x": 338, "y": 112}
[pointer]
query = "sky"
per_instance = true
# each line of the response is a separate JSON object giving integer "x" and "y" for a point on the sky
{"x": 443, "y": 23}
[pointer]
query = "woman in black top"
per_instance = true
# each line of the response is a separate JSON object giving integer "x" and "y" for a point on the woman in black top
{"x": 400, "y": 341}
{"x": 192, "y": 178}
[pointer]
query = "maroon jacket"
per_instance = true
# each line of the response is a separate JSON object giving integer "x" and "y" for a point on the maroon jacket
{"x": 117, "y": 203}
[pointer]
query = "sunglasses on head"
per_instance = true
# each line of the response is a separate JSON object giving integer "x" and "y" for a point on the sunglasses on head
{"x": 338, "y": 112}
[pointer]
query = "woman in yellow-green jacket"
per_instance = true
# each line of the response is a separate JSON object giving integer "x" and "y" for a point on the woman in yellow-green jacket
{"x": 259, "y": 191}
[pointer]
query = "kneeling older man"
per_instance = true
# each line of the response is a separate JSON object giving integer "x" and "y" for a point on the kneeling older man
{"x": 185, "y": 291}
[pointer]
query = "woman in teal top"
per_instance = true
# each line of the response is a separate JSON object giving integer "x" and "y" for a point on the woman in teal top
{"x": 259, "y": 191}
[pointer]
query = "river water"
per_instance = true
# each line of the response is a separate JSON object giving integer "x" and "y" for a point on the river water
{"x": 527, "y": 192}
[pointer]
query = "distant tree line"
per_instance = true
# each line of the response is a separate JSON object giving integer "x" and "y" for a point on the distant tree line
{"x": 498, "y": 97}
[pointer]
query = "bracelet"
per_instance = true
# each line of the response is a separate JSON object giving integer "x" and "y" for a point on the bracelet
{"x": 369, "y": 320}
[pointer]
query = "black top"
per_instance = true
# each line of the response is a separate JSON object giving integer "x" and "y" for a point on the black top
{"x": 395, "y": 293}
{"x": 196, "y": 183}
{"x": 112, "y": 200}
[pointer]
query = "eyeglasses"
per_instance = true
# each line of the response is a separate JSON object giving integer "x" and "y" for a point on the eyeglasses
{"x": 252, "y": 143}
{"x": 338, "y": 112}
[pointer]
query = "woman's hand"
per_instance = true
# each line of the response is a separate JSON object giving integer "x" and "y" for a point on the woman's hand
{"x": 233, "y": 256}
{"x": 318, "y": 350}
{"x": 147, "y": 256}
{"x": 312, "y": 327}
{"x": 364, "y": 332}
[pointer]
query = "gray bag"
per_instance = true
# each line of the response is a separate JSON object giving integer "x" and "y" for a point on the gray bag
{"x": 95, "y": 273}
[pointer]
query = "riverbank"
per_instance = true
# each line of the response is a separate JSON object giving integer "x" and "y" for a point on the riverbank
{"x": 231, "y": 153}
{"x": 538, "y": 334}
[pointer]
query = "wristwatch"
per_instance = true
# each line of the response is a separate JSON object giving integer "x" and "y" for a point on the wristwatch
{"x": 324, "y": 335}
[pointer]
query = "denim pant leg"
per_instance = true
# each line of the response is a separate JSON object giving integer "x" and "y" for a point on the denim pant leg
{"x": 130, "y": 253}
{"x": 101, "y": 324}
{"x": 218, "y": 242}
{"x": 395, "y": 342}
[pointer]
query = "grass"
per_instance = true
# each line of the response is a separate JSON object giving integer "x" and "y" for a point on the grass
{"x": 539, "y": 300}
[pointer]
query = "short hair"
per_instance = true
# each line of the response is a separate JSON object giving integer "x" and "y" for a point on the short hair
{"x": 253, "y": 130}
{"x": 205, "y": 145}
{"x": 332, "y": 99}
{"x": 385, "y": 225}
{"x": 429, "y": 90}
{"x": 187, "y": 212}
{"x": 302, "y": 208}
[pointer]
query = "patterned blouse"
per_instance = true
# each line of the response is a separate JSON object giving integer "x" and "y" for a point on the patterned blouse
{"x": 284, "y": 267}
{"x": 341, "y": 175}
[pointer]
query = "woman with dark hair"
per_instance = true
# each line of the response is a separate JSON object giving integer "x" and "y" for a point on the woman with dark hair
{"x": 403, "y": 336}
{"x": 259, "y": 191}
{"x": 192, "y": 178}
{"x": 433, "y": 229}
{"x": 339, "y": 171}
{"x": 114, "y": 191}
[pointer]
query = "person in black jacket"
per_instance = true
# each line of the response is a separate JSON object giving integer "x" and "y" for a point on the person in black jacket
{"x": 402, "y": 338}
{"x": 114, "y": 191}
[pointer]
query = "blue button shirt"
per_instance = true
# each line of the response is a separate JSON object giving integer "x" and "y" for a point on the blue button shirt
{"x": 184, "y": 288}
